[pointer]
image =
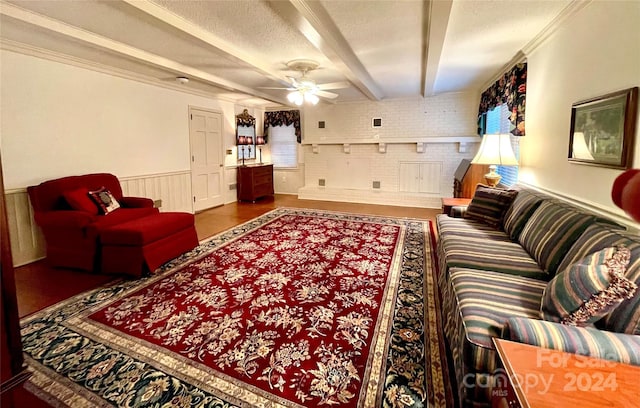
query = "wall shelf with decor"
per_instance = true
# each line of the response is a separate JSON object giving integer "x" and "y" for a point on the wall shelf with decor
{"x": 463, "y": 142}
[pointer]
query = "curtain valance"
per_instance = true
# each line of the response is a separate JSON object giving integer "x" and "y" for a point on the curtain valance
{"x": 284, "y": 118}
{"x": 511, "y": 89}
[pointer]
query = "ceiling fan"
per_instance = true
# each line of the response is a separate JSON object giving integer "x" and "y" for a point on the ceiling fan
{"x": 304, "y": 88}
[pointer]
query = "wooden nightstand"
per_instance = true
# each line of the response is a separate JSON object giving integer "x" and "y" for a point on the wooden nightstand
{"x": 543, "y": 378}
{"x": 447, "y": 203}
{"x": 255, "y": 181}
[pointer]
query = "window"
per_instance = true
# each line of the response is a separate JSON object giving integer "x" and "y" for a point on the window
{"x": 498, "y": 122}
{"x": 283, "y": 145}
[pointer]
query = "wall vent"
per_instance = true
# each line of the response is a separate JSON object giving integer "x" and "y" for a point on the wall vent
{"x": 376, "y": 122}
{"x": 321, "y": 124}
{"x": 233, "y": 186}
{"x": 321, "y": 182}
{"x": 376, "y": 184}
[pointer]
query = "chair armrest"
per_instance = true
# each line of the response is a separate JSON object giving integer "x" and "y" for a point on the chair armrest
{"x": 587, "y": 341}
{"x": 63, "y": 219}
{"x": 136, "y": 202}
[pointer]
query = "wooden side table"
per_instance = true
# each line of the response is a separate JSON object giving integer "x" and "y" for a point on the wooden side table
{"x": 542, "y": 378}
{"x": 255, "y": 181}
{"x": 447, "y": 203}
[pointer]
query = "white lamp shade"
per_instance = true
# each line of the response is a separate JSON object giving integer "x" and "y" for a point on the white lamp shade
{"x": 496, "y": 149}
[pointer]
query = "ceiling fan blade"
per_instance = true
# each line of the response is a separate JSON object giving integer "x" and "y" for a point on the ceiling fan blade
{"x": 294, "y": 81}
{"x": 328, "y": 95}
{"x": 335, "y": 85}
{"x": 272, "y": 87}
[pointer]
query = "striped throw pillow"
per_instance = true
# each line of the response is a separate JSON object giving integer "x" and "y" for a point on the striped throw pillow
{"x": 489, "y": 205}
{"x": 589, "y": 289}
{"x": 626, "y": 317}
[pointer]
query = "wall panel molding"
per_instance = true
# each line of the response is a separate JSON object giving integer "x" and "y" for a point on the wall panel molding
{"x": 174, "y": 189}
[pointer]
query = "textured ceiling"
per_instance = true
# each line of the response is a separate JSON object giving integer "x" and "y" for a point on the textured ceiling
{"x": 236, "y": 49}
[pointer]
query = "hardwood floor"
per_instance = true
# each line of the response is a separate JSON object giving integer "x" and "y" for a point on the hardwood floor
{"x": 39, "y": 286}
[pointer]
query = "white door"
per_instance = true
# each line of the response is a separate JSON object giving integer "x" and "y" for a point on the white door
{"x": 205, "y": 136}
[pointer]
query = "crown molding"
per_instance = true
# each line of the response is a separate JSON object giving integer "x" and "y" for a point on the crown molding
{"x": 518, "y": 58}
{"x": 124, "y": 50}
{"x": 29, "y": 50}
{"x": 572, "y": 9}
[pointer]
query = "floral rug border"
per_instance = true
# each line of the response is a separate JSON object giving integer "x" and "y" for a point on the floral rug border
{"x": 415, "y": 387}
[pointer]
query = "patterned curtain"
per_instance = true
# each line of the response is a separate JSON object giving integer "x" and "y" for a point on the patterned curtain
{"x": 283, "y": 118}
{"x": 511, "y": 89}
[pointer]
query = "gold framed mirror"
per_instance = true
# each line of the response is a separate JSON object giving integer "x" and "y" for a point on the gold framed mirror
{"x": 246, "y": 135}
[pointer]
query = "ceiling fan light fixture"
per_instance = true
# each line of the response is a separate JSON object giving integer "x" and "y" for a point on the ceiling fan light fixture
{"x": 296, "y": 97}
{"x": 311, "y": 98}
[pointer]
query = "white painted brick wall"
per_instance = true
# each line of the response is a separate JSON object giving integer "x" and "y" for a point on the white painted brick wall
{"x": 443, "y": 115}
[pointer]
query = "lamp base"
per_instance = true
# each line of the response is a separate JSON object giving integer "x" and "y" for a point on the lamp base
{"x": 492, "y": 178}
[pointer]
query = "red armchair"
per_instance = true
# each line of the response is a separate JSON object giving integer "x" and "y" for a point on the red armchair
{"x": 72, "y": 235}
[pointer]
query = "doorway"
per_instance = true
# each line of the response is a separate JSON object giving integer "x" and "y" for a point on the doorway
{"x": 205, "y": 139}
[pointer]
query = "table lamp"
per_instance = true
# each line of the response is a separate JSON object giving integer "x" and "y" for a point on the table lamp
{"x": 260, "y": 141}
{"x": 495, "y": 150}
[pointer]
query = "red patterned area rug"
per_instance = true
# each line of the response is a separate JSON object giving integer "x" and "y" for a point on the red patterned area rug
{"x": 296, "y": 308}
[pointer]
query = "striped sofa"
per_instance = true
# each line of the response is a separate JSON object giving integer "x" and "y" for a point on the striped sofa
{"x": 492, "y": 281}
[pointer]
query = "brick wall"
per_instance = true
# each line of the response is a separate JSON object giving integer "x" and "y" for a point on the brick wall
{"x": 350, "y": 176}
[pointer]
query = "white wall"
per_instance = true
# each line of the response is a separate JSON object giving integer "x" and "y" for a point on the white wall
{"x": 593, "y": 53}
{"x": 60, "y": 120}
{"x": 349, "y": 176}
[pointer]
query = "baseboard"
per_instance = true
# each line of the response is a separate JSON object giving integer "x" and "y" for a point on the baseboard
{"x": 369, "y": 197}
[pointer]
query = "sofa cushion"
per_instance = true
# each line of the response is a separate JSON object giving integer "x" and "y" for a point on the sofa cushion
{"x": 517, "y": 215}
{"x": 489, "y": 205}
{"x": 79, "y": 200}
{"x": 586, "y": 341}
{"x": 626, "y": 317}
{"x": 551, "y": 230}
{"x": 141, "y": 231}
{"x": 485, "y": 300}
{"x": 105, "y": 200}
{"x": 465, "y": 227}
{"x": 588, "y": 289}
{"x": 119, "y": 216}
{"x": 499, "y": 256}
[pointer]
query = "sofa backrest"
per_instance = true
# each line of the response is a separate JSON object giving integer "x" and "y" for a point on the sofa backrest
{"x": 518, "y": 213}
{"x": 551, "y": 230}
{"x": 47, "y": 196}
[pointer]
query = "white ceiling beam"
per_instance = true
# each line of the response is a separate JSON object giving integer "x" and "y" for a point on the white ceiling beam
{"x": 314, "y": 22}
{"x": 435, "y": 19}
{"x": 127, "y": 51}
{"x": 230, "y": 50}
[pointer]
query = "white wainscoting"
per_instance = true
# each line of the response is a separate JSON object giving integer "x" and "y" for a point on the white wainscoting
{"x": 27, "y": 241}
{"x": 174, "y": 189}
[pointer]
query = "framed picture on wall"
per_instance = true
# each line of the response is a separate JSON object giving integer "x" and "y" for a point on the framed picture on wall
{"x": 603, "y": 130}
